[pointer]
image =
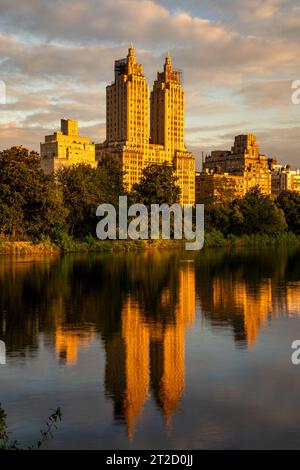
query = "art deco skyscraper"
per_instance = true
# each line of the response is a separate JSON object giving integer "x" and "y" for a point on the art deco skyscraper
{"x": 127, "y": 128}
{"x": 167, "y": 109}
{"x": 127, "y": 103}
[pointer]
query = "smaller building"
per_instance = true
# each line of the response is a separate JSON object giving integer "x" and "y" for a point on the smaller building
{"x": 214, "y": 188}
{"x": 66, "y": 148}
{"x": 244, "y": 159}
{"x": 284, "y": 179}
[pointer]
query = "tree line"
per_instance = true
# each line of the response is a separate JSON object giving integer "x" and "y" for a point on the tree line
{"x": 256, "y": 213}
{"x": 36, "y": 207}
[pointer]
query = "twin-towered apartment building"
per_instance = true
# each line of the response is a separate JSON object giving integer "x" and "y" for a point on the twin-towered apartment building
{"x": 131, "y": 137}
{"x": 137, "y": 141}
{"x": 144, "y": 128}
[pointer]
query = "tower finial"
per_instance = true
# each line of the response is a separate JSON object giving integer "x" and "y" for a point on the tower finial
{"x": 131, "y": 51}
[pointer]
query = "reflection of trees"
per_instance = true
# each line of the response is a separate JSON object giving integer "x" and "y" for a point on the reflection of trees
{"x": 242, "y": 289}
{"x": 141, "y": 305}
{"x": 23, "y": 295}
{"x": 72, "y": 292}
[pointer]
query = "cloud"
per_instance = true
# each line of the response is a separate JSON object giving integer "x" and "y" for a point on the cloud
{"x": 111, "y": 22}
{"x": 238, "y": 59}
{"x": 268, "y": 93}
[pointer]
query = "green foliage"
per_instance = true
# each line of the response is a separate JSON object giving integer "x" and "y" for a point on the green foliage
{"x": 91, "y": 242}
{"x": 215, "y": 238}
{"x": 218, "y": 217}
{"x": 4, "y": 435}
{"x": 259, "y": 240}
{"x": 255, "y": 213}
{"x": 30, "y": 204}
{"x": 84, "y": 189}
{"x": 289, "y": 203}
{"x": 112, "y": 180}
{"x": 64, "y": 241}
{"x": 157, "y": 186}
{"x": 37, "y": 207}
{"x": 45, "y": 433}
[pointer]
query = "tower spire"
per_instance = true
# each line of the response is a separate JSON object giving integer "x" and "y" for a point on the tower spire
{"x": 168, "y": 64}
{"x": 131, "y": 59}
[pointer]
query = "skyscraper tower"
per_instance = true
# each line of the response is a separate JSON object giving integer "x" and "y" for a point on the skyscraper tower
{"x": 127, "y": 103}
{"x": 167, "y": 109}
{"x": 127, "y": 128}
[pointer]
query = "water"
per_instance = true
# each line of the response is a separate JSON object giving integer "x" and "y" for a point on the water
{"x": 153, "y": 350}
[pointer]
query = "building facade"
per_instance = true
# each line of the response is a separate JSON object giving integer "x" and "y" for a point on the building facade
{"x": 131, "y": 140}
{"x": 214, "y": 188}
{"x": 229, "y": 174}
{"x": 66, "y": 148}
{"x": 150, "y": 356}
{"x": 284, "y": 178}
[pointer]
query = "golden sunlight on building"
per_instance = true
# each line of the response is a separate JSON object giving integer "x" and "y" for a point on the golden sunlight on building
{"x": 168, "y": 346}
{"x": 66, "y": 148}
{"x": 237, "y": 298}
{"x": 169, "y": 360}
{"x": 283, "y": 178}
{"x": 185, "y": 310}
{"x": 257, "y": 307}
{"x": 293, "y": 299}
{"x": 213, "y": 187}
{"x": 230, "y": 174}
{"x": 69, "y": 341}
{"x": 127, "y": 124}
{"x": 147, "y": 352}
{"x": 136, "y": 338}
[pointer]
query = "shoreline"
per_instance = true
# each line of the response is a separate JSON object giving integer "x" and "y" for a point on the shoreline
{"x": 213, "y": 239}
{"x": 95, "y": 246}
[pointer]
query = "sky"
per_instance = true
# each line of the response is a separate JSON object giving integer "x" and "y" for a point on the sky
{"x": 239, "y": 59}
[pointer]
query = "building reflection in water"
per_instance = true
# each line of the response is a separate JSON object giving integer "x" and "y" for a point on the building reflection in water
{"x": 144, "y": 323}
{"x": 245, "y": 291}
{"x": 150, "y": 353}
{"x": 69, "y": 341}
{"x": 69, "y": 338}
{"x": 251, "y": 307}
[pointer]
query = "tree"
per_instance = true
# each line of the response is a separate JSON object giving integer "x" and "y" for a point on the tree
{"x": 256, "y": 213}
{"x": 289, "y": 203}
{"x": 84, "y": 189}
{"x": 157, "y": 186}
{"x": 30, "y": 204}
{"x": 112, "y": 179}
{"x": 11, "y": 212}
{"x": 218, "y": 216}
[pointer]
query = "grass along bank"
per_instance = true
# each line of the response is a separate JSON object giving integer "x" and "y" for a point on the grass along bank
{"x": 216, "y": 238}
{"x": 213, "y": 239}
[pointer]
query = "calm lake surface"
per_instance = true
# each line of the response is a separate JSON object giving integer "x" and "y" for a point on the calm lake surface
{"x": 162, "y": 350}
